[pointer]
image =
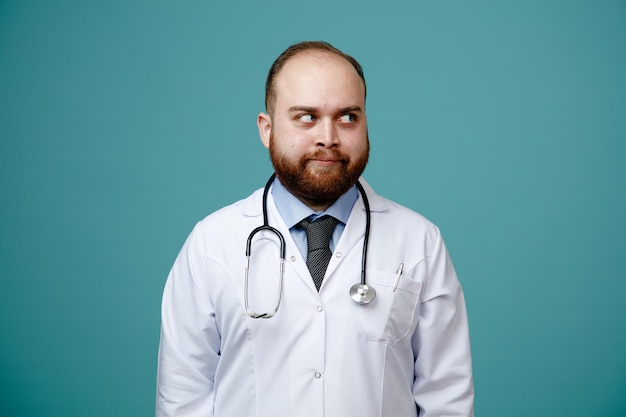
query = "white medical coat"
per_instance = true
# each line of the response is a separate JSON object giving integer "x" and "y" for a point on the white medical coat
{"x": 322, "y": 355}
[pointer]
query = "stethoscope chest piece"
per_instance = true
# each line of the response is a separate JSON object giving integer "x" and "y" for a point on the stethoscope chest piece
{"x": 362, "y": 293}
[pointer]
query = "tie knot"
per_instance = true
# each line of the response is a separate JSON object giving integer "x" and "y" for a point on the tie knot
{"x": 318, "y": 232}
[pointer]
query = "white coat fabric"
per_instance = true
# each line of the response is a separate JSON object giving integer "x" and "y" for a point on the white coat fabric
{"x": 405, "y": 354}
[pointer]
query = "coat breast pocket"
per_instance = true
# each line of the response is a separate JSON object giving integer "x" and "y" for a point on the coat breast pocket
{"x": 392, "y": 314}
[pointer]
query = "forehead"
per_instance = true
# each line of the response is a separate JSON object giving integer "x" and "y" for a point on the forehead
{"x": 316, "y": 78}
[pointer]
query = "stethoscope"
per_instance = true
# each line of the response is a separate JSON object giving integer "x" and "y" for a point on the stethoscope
{"x": 360, "y": 292}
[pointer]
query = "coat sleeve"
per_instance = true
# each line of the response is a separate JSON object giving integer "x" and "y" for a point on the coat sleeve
{"x": 190, "y": 342}
{"x": 443, "y": 384}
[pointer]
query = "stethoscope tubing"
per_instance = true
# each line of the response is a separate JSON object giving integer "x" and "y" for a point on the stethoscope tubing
{"x": 366, "y": 237}
{"x": 361, "y": 293}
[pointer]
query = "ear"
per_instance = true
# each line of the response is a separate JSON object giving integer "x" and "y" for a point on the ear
{"x": 264, "y": 123}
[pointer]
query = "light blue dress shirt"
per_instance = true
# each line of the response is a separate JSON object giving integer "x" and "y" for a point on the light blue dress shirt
{"x": 292, "y": 210}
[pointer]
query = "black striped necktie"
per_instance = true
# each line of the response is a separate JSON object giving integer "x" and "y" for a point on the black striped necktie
{"x": 318, "y": 234}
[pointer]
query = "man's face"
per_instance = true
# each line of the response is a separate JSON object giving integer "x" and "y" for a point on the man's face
{"x": 317, "y": 136}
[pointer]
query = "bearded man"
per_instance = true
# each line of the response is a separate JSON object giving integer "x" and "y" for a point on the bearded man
{"x": 343, "y": 303}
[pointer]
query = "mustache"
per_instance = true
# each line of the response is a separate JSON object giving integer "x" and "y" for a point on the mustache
{"x": 327, "y": 153}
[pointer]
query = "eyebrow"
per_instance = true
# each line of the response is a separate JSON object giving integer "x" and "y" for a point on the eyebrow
{"x": 315, "y": 109}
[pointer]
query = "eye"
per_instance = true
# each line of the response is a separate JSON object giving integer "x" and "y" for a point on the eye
{"x": 306, "y": 118}
{"x": 347, "y": 118}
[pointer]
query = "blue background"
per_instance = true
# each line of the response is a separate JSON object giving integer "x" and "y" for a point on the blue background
{"x": 122, "y": 123}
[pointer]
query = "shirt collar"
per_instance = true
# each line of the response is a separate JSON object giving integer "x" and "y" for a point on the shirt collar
{"x": 292, "y": 210}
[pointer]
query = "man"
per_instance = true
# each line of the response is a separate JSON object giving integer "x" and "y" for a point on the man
{"x": 237, "y": 342}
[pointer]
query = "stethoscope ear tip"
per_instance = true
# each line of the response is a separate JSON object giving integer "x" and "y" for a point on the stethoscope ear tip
{"x": 362, "y": 293}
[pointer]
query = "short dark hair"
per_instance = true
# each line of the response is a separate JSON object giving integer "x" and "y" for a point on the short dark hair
{"x": 293, "y": 50}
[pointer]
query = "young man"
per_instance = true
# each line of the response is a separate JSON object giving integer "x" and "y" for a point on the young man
{"x": 296, "y": 337}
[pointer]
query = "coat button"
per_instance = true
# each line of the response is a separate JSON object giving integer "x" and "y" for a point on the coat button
{"x": 318, "y": 375}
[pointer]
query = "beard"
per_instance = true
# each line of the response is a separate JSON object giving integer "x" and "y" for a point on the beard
{"x": 315, "y": 184}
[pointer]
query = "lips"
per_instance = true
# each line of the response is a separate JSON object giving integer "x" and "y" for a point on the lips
{"x": 326, "y": 161}
{"x": 326, "y": 158}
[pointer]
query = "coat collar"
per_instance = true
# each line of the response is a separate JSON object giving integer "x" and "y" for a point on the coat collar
{"x": 353, "y": 232}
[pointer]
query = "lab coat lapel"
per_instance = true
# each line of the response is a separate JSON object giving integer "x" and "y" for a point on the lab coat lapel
{"x": 293, "y": 257}
{"x": 352, "y": 234}
{"x": 350, "y": 246}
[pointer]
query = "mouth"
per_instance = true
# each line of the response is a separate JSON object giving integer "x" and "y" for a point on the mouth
{"x": 325, "y": 159}
{"x": 325, "y": 162}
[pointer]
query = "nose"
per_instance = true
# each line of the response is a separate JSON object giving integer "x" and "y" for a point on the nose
{"x": 328, "y": 134}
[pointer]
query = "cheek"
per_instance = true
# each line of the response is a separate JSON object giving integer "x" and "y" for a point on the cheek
{"x": 357, "y": 143}
{"x": 290, "y": 141}
{"x": 286, "y": 148}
